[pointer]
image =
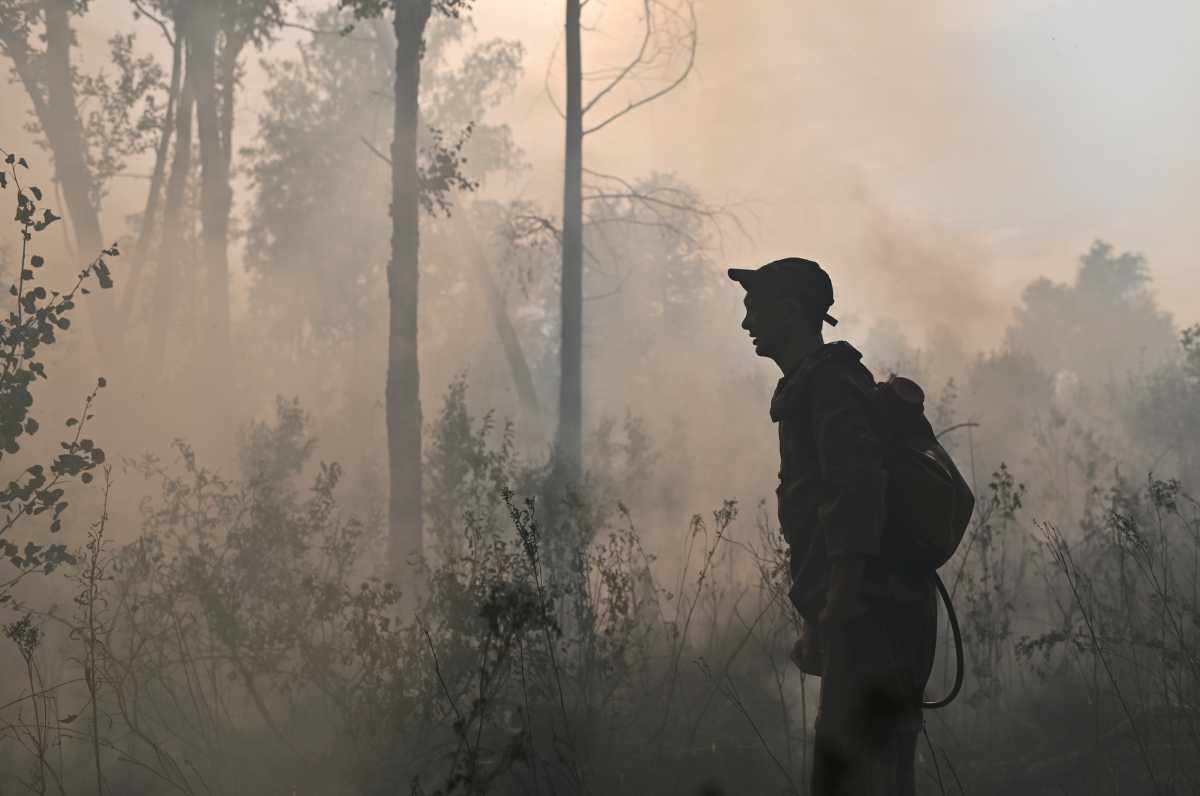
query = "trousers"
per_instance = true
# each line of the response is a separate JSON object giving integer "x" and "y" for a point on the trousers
{"x": 875, "y": 667}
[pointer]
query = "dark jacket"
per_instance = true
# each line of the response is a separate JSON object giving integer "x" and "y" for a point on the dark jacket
{"x": 832, "y": 480}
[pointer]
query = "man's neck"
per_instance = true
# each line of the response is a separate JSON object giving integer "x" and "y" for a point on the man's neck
{"x": 796, "y": 350}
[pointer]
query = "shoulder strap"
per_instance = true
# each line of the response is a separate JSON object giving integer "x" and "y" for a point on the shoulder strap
{"x": 792, "y": 391}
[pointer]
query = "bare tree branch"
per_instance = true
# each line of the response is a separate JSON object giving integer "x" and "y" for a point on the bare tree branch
{"x": 629, "y": 67}
{"x": 159, "y": 21}
{"x": 650, "y": 199}
{"x": 540, "y": 222}
{"x": 969, "y": 424}
{"x": 664, "y": 198}
{"x": 546, "y": 225}
{"x": 325, "y": 31}
{"x": 376, "y": 152}
{"x": 692, "y": 43}
{"x": 675, "y": 229}
{"x": 546, "y": 84}
{"x": 608, "y": 293}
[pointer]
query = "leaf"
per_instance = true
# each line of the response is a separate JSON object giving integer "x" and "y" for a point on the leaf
{"x": 71, "y": 421}
{"x": 86, "y": 478}
{"x": 3, "y": 180}
{"x": 68, "y": 719}
{"x": 102, "y": 382}
{"x": 102, "y": 274}
{"x": 37, "y": 261}
{"x": 36, "y": 191}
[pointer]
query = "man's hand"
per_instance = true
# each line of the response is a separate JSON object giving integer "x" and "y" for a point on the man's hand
{"x": 844, "y": 600}
{"x": 806, "y": 652}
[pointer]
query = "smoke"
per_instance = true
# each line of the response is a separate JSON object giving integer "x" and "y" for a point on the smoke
{"x": 934, "y": 158}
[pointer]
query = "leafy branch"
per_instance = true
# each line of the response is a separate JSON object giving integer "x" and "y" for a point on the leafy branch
{"x": 32, "y": 324}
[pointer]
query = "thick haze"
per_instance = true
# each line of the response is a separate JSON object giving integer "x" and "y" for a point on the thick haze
{"x": 936, "y": 161}
{"x": 935, "y": 158}
{"x": 981, "y": 181}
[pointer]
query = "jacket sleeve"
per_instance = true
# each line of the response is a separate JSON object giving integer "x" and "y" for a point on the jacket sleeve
{"x": 850, "y": 508}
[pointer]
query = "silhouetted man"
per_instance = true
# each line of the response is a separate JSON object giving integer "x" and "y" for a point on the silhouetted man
{"x": 870, "y": 627}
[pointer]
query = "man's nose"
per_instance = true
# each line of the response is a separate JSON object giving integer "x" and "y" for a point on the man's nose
{"x": 746, "y": 323}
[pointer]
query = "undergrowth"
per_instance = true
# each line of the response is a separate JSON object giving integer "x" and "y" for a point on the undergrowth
{"x": 248, "y": 642}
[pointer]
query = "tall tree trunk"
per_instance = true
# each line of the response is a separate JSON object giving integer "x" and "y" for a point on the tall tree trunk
{"x": 64, "y": 130}
{"x": 473, "y": 251}
{"x": 569, "y": 446}
{"x": 170, "y": 251}
{"x": 403, "y": 398}
{"x": 513, "y": 353}
{"x": 51, "y": 89}
{"x": 161, "y": 152}
{"x": 216, "y": 194}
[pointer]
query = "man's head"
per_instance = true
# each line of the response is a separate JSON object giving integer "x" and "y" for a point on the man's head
{"x": 785, "y": 299}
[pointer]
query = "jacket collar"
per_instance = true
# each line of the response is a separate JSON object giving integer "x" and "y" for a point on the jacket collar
{"x": 791, "y": 387}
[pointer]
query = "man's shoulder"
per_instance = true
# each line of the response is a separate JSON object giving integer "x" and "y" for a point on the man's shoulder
{"x": 839, "y": 371}
{"x": 833, "y": 368}
{"x": 834, "y": 360}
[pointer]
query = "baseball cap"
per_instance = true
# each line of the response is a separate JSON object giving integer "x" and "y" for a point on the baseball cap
{"x": 794, "y": 277}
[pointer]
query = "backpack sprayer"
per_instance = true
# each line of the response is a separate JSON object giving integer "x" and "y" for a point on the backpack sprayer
{"x": 929, "y": 503}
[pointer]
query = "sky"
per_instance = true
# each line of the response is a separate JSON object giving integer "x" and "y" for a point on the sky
{"x": 935, "y": 157}
{"x": 925, "y": 153}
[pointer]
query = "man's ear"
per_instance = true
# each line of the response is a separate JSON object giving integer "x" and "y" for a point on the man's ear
{"x": 796, "y": 310}
{"x": 804, "y": 314}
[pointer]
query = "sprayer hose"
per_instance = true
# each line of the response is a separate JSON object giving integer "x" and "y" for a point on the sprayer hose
{"x": 958, "y": 649}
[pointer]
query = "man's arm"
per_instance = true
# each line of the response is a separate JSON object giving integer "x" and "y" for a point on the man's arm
{"x": 850, "y": 509}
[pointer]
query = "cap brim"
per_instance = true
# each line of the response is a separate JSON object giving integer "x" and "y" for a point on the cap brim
{"x": 746, "y": 278}
{"x": 743, "y": 276}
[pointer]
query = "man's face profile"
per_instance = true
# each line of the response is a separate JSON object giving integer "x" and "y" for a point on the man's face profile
{"x": 770, "y": 320}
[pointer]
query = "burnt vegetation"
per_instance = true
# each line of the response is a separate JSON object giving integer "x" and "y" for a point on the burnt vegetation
{"x": 245, "y": 617}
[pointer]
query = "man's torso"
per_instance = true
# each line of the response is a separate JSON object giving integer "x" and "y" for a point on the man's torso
{"x": 803, "y": 487}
